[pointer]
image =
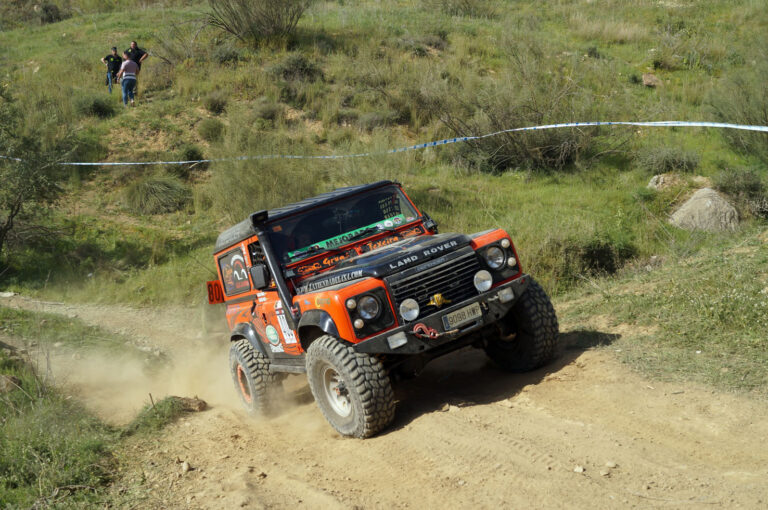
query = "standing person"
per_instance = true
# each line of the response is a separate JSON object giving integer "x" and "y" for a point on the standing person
{"x": 113, "y": 62}
{"x": 136, "y": 54}
{"x": 128, "y": 72}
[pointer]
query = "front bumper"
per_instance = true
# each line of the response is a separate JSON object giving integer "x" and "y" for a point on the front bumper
{"x": 490, "y": 305}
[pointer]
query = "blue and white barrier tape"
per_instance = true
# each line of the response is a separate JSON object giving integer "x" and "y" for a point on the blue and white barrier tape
{"x": 436, "y": 143}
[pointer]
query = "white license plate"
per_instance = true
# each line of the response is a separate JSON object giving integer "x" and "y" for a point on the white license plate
{"x": 462, "y": 316}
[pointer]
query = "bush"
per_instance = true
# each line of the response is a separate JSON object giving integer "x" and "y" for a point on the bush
{"x": 742, "y": 98}
{"x": 215, "y": 102}
{"x": 255, "y": 21}
{"x": 225, "y": 54}
{"x": 527, "y": 96}
{"x": 211, "y": 130}
{"x": 50, "y": 13}
{"x": 570, "y": 259}
{"x": 469, "y": 8}
{"x": 746, "y": 186}
{"x": 268, "y": 111}
{"x": 371, "y": 120}
{"x": 95, "y": 106}
{"x": 667, "y": 159}
{"x": 296, "y": 67}
{"x": 157, "y": 195}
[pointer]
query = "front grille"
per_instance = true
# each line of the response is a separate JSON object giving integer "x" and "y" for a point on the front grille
{"x": 453, "y": 279}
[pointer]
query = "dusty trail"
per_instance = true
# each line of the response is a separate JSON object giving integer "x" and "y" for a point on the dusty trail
{"x": 466, "y": 435}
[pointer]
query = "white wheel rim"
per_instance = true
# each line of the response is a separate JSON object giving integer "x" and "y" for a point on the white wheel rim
{"x": 335, "y": 392}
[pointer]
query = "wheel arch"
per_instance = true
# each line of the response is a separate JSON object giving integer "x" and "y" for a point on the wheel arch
{"x": 246, "y": 331}
{"x": 313, "y": 325}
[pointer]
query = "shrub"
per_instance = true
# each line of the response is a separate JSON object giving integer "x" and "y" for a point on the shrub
{"x": 746, "y": 186}
{"x": 268, "y": 111}
{"x": 255, "y": 21}
{"x": 469, "y": 8}
{"x": 570, "y": 259}
{"x": 528, "y": 95}
{"x": 157, "y": 195}
{"x": 215, "y": 102}
{"x": 742, "y": 98}
{"x": 50, "y": 13}
{"x": 296, "y": 67}
{"x": 667, "y": 159}
{"x": 211, "y": 130}
{"x": 95, "y": 106}
{"x": 226, "y": 54}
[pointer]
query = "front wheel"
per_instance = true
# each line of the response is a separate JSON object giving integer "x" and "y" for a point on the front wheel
{"x": 530, "y": 333}
{"x": 352, "y": 389}
{"x": 256, "y": 385}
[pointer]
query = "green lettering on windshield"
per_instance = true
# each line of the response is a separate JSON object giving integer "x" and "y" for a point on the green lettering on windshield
{"x": 342, "y": 239}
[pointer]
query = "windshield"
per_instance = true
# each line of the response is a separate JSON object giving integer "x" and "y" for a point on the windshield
{"x": 334, "y": 225}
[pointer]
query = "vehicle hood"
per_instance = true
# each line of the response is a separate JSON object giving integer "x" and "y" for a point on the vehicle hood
{"x": 387, "y": 260}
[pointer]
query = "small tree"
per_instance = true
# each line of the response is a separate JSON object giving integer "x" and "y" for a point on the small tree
{"x": 254, "y": 21}
{"x": 30, "y": 176}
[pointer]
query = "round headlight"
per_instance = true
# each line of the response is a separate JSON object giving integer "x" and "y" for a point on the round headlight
{"x": 368, "y": 307}
{"x": 494, "y": 256}
{"x": 351, "y": 304}
{"x": 359, "y": 323}
{"x": 483, "y": 280}
{"x": 409, "y": 309}
{"x": 505, "y": 243}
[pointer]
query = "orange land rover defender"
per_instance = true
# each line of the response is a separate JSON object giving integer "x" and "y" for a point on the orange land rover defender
{"x": 355, "y": 288}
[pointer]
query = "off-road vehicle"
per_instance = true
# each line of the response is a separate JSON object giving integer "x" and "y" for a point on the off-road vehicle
{"x": 356, "y": 288}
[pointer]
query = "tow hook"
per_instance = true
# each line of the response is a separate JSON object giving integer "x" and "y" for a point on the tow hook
{"x": 421, "y": 330}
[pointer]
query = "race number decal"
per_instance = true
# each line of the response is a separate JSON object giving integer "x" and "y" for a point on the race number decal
{"x": 215, "y": 292}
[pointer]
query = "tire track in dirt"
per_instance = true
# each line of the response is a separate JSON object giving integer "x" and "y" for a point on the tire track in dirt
{"x": 465, "y": 435}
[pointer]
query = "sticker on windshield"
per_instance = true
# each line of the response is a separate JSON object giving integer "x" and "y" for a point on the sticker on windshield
{"x": 347, "y": 237}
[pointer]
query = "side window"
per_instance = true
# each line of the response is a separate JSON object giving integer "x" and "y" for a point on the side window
{"x": 233, "y": 272}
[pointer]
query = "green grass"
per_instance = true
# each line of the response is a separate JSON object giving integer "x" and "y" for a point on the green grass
{"x": 368, "y": 76}
{"x": 52, "y": 451}
{"x": 50, "y": 328}
{"x": 702, "y": 318}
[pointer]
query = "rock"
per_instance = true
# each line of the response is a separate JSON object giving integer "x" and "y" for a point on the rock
{"x": 610, "y": 464}
{"x": 651, "y": 80}
{"x": 605, "y": 472}
{"x": 578, "y": 469}
{"x": 706, "y": 210}
{"x": 7, "y": 294}
{"x": 663, "y": 181}
{"x": 8, "y": 383}
{"x": 185, "y": 467}
{"x": 192, "y": 405}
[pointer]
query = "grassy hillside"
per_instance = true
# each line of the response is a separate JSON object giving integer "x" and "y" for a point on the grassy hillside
{"x": 368, "y": 76}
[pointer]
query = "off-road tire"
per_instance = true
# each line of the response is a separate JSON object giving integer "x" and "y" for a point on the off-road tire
{"x": 258, "y": 388}
{"x": 534, "y": 323}
{"x": 370, "y": 402}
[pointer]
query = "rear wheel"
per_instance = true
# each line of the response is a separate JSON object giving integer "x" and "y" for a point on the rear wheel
{"x": 531, "y": 333}
{"x": 256, "y": 385}
{"x": 352, "y": 389}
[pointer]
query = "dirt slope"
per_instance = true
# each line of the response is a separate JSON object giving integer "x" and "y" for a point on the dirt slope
{"x": 466, "y": 435}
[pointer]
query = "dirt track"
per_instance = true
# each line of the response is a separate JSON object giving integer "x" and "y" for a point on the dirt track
{"x": 466, "y": 435}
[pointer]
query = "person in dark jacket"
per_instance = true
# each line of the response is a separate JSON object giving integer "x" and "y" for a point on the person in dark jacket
{"x": 136, "y": 54}
{"x": 113, "y": 62}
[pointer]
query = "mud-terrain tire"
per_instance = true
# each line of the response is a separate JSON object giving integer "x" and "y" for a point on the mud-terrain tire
{"x": 257, "y": 386}
{"x": 534, "y": 324}
{"x": 352, "y": 389}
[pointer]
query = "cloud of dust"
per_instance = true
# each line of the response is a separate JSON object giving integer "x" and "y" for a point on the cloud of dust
{"x": 116, "y": 387}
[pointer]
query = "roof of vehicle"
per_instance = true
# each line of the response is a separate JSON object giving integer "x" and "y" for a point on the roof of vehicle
{"x": 244, "y": 229}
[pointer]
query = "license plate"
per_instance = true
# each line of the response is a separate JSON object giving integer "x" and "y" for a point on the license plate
{"x": 462, "y": 316}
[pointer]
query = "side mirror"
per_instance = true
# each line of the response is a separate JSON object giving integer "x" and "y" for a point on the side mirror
{"x": 429, "y": 223}
{"x": 260, "y": 276}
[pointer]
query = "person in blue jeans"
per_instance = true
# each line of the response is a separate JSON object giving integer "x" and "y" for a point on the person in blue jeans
{"x": 128, "y": 73}
{"x": 113, "y": 62}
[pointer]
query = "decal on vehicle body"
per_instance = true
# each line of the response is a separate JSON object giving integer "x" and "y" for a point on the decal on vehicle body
{"x": 334, "y": 280}
{"x": 288, "y": 336}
